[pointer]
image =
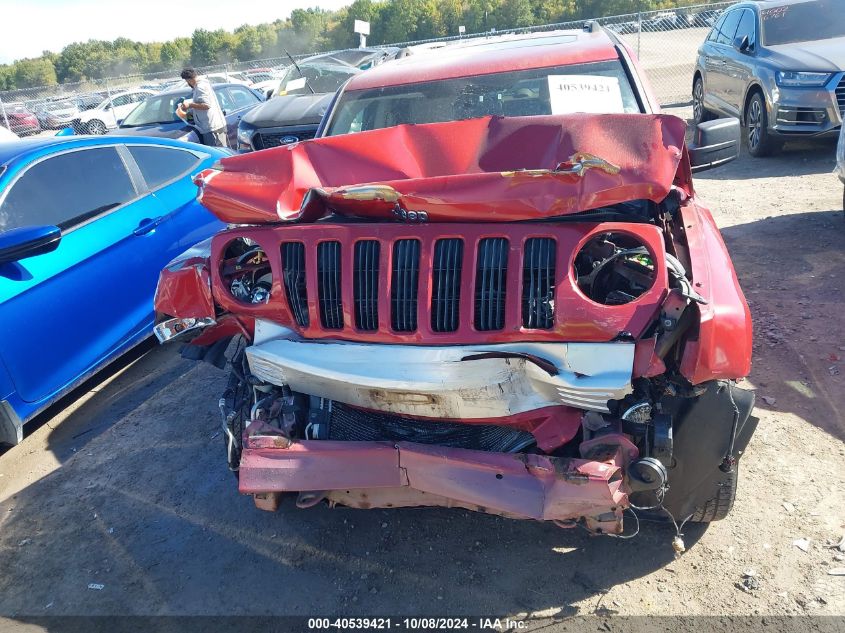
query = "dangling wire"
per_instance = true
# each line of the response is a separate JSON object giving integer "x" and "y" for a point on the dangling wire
{"x": 636, "y": 530}
{"x": 729, "y": 462}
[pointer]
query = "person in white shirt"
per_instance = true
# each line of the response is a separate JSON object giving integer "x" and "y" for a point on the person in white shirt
{"x": 208, "y": 117}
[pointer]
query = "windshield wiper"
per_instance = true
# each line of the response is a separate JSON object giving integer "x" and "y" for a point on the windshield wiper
{"x": 299, "y": 70}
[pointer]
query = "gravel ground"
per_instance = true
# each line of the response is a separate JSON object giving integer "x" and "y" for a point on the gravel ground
{"x": 125, "y": 484}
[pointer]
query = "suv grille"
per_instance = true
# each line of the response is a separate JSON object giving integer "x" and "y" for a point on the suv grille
{"x": 293, "y": 264}
{"x": 538, "y": 283}
{"x": 328, "y": 288}
{"x": 405, "y": 286}
{"x": 490, "y": 284}
{"x": 265, "y": 140}
{"x": 366, "y": 282}
{"x": 840, "y": 97}
{"x": 448, "y": 283}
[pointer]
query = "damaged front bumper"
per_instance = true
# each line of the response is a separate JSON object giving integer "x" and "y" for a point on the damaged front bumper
{"x": 389, "y": 475}
{"x": 450, "y": 382}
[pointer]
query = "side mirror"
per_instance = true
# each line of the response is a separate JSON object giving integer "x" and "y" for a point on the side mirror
{"x": 714, "y": 144}
{"x": 742, "y": 44}
{"x": 28, "y": 241}
{"x": 119, "y": 122}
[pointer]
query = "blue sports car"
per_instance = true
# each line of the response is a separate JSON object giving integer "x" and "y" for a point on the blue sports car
{"x": 86, "y": 224}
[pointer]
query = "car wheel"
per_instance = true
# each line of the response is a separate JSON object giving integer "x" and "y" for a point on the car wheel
{"x": 757, "y": 135}
{"x": 95, "y": 126}
{"x": 699, "y": 113}
{"x": 720, "y": 504}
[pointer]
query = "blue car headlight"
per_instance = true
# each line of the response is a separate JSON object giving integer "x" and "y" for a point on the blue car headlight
{"x": 795, "y": 79}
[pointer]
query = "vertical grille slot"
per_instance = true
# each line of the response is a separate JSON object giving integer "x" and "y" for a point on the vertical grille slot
{"x": 490, "y": 275}
{"x": 366, "y": 284}
{"x": 405, "y": 286}
{"x": 446, "y": 284}
{"x": 538, "y": 283}
{"x": 293, "y": 263}
{"x": 840, "y": 97}
{"x": 328, "y": 289}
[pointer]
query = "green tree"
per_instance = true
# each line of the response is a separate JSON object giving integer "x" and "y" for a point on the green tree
{"x": 212, "y": 47}
{"x": 172, "y": 55}
{"x": 32, "y": 73}
{"x": 516, "y": 13}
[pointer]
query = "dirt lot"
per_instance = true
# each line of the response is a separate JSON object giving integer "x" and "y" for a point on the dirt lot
{"x": 128, "y": 488}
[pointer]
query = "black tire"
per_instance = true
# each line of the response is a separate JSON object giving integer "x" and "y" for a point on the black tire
{"x": 700, "y": 114}
{"x": 96, "y": 127}
{"x": 718, "y": 507}
{"x": 760, "y": 143}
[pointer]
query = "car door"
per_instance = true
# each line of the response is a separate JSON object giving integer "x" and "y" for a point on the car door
{"x": 739, "y": 64}
{"x": 185, "y": 221}
{"x": 68, "y": 311}
{"x": 240, "y": 100}
{"x": 718, "y": 47}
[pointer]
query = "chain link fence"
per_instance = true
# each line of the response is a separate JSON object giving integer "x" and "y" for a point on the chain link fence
{"x": 666, "y": 43}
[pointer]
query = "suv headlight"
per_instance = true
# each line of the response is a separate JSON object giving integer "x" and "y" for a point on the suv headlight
{"x": 245, "y": 136}
{"x": 792, "y": 79}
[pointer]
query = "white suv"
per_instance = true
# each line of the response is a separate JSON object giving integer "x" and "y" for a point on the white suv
{"x": 110, "y": 112}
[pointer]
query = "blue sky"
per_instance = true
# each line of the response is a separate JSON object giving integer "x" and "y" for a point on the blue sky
{"x": 28, "y": 27}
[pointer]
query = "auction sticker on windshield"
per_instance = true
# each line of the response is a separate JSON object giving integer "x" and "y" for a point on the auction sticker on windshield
{"x": 584, "y": 93}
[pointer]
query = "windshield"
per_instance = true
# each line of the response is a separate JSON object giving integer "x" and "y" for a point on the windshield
{"x": 321, "y": 78}
{"x": 599, "y": 87}
{"x": 158, "y": 109}
{"x": 803, "y": 22}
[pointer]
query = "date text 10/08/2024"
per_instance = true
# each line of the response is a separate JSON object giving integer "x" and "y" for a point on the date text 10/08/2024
{"x": 417, "y": 624}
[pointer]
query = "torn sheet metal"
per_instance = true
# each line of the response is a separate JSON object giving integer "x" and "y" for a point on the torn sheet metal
{"x": 459, "y": 382}
{"x": 493, "y": 169}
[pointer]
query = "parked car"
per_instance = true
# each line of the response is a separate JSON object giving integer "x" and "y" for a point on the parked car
{"x": 156, "y": 116}
{"x": 301, "y": 96}
{"x": 500, "y": 293}
{"x": 87, "y": 102}
{"x": 109, "y": 113}
{"x": 228, "y": 78}
{"x": 58, "y": 114}
{"x": 778, "y": 65}
{"x": 19, "y": 120}
{"x": 663, "y": 21}
{"x": 85, "y": 222}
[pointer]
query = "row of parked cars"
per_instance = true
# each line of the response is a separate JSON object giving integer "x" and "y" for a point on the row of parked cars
{"x": 98, "y": 112}
{"x": 468, "y": 273}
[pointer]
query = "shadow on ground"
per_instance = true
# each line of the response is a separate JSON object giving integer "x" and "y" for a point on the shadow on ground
{"x": 792, "y": 269}
{"x": 798, "y": 158}
{"x": 114, "y": 392}
{"x": 148, "y": 510}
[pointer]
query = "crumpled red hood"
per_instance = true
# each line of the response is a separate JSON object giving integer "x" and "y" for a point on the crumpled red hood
{"x": 489, "y": 169}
